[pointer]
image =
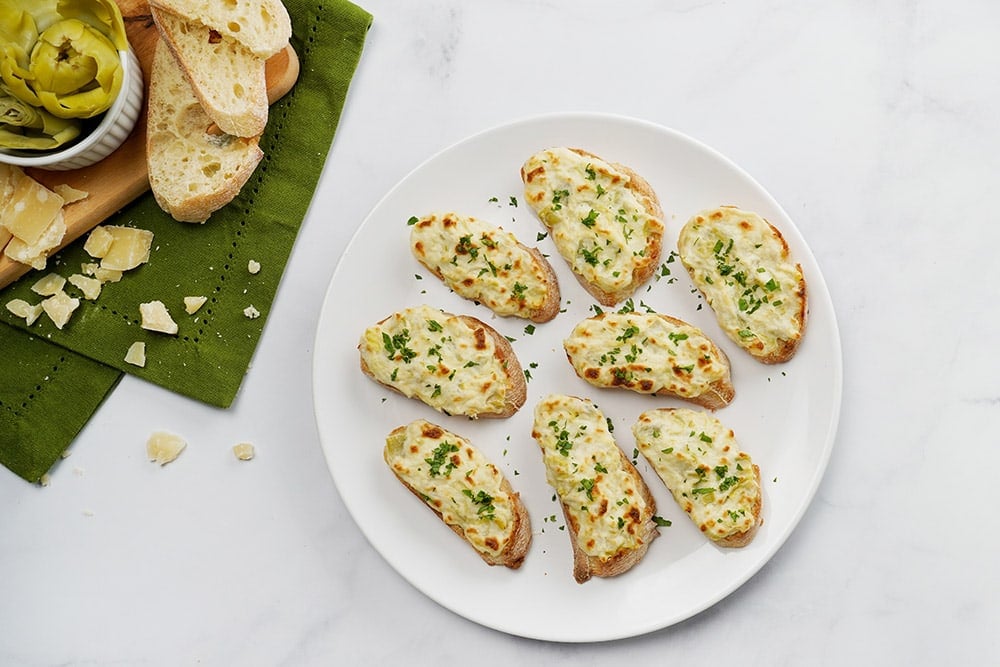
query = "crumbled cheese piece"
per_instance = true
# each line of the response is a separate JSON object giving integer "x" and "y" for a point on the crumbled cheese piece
{"x": 49, "y": 285}
{"x": 35, "y": 254}
{"x": 107, "y": 275}
{"x": 45, "y": 480}
{"x": 136, "y": 354}
{"x": 98, "y": 242}
{"x": 22, "y": 308}
{"x": 69, "y": 194}
{"x": 155, "y": 317}
{"x": 251, "y": 312}
{"x": 91, "y": 287}
{"x": 244, "y": 451}
{"x": 88, "y": 268}
{"x": 193, "y": 303}
{"x": 59, "y": 307}
{"x": 253, "y": 266}
{"x": 129, "y": 248}
{"x": 164, "y": 447}
{"x": 30, "y": 210}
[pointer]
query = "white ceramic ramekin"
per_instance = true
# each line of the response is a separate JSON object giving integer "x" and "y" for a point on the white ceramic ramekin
{"x": 115, "y": 126}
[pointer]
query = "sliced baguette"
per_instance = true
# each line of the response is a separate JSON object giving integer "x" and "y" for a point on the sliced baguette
{"x": 604, "y": 218}
{"x": 456, "y": 364}
{"x": 486, "y": 264}
{"x": 713, "y": 481}
{"x": 192, "y": 171}
{"x": 607, "y": 506}
{"x": 228, "y": 78}
{"x": 463, "y": 488}
{"x": 262, "y": 26}
{"x": 741, "y": 264}
{"x": 650, "y": 353}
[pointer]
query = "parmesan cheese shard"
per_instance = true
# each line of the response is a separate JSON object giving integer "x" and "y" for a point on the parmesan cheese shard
{"x": 69, "y": 194}
{"x": 193, "y": 303}
{"x": 129, "y": 248}
{"x": 253, "y": 266}
{"x": 103, "y": 275}
{"x": 30, "y": 210}
{"x": 22, "y": 308}
{"x": 91, "y": 287}
{"x": 163, "y": 447}
{"x": 59, "y": 307}
{"x": 251, "y": 312}
{"x": 155, "y": 317}
{"x": 9, "y": 176}
{"x": 136, "y": 354}
{"x": 244, "y": 451}
{"x": 35, "y": 254}
{"x": 98, "y": 242}
{"x": 49, "y": 285}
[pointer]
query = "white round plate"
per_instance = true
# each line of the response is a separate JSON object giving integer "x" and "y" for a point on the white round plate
{"x": 785, "y": 416}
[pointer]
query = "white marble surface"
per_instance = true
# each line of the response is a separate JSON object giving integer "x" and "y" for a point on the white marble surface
{"x": 873, "y": 124}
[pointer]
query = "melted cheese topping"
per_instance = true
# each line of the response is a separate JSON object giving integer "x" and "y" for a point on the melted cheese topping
{"x": 599, "y": 225}
{"x": 481, "y": 262}
{"x": 646, "y": 353}
{"x": 456, "y": 480}
{"x": 742, "y": 266}
{"x": 700, "y": 462}
{"x": 601, "y": 494}
{"x": 435, "y": 357}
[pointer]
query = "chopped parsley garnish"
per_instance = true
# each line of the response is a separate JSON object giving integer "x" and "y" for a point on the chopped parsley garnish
{"x": 587, "y": 486}
{"x": 590, "y": 220}
{"x": 600, "y": 468}
{"x": 557, "y": 198}
{"x": 661, "y": 522}
{"x": 518, "y": 291}
{"x": 413, "y": 220}
{"x": 439, "y": 458}
{"x": 485, "y": 502}
{"x": 397, "y": 345}
{"x": 434, "y": 325}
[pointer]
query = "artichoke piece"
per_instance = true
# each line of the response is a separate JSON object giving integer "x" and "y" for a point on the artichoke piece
{"x": 25, "y": 127}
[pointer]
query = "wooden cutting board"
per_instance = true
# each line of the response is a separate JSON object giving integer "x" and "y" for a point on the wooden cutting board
{"x": 122, "y": 176}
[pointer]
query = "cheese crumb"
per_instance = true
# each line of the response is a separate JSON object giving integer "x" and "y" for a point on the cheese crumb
{"x": 22, "y": 308}
{"x": 49, "y": 285}
{"x": 155, "y": 317}
{"x": 136, "y": 354}
{"x": 251, "y": 312}
{"x": 59, "y": 307}
{"x": 164, "y": 447}
{"x": 91, "y": 287}
{"x": 253, "y": 266}
{"x": 69, "y": 194}
{"x": 193, "y": 303}
{"x": 244, "y": 451}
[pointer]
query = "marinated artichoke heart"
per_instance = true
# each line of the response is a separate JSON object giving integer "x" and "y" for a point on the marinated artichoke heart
{"x": 60, "y": 57}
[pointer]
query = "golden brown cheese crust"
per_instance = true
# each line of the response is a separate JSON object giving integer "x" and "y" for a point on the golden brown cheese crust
{"x": 479, "y": 377}
{"x": 651, "y": 353}
{"x": 710, "y": 477}
{"x": 506, "y": 544}
{"x": 607, "y": 506}
{"x": 486, "y": 264}
{"x": 742, "y": 265}
{"x": 569, "y": 194}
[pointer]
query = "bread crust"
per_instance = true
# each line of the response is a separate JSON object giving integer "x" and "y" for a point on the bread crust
{"x": 176, "y": 117}
{"x": 517, "y": 388}
{"x": 545, "y": 311}
{"x": 517, "y": 547}
{"x": 644, "y": 270}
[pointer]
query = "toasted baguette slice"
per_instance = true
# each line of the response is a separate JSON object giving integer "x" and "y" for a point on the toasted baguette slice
{"x": 650, "y": 353}
{"x": 192, "y": 173}
{"x": 604, "y": 218}
{"x": 607, "y": 505}
{"x": 742, "y": 266}
{"x": 262, "y": 26}
{"x": 699, "y": 460}
{"x": 227, "y": 77}
{"x": 486, "y": 264}
{"x": 454, "y": 363}
{"x": 464, "y": 488}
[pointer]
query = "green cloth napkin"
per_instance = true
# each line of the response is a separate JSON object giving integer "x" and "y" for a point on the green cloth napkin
{"x": 212, "y": 350}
